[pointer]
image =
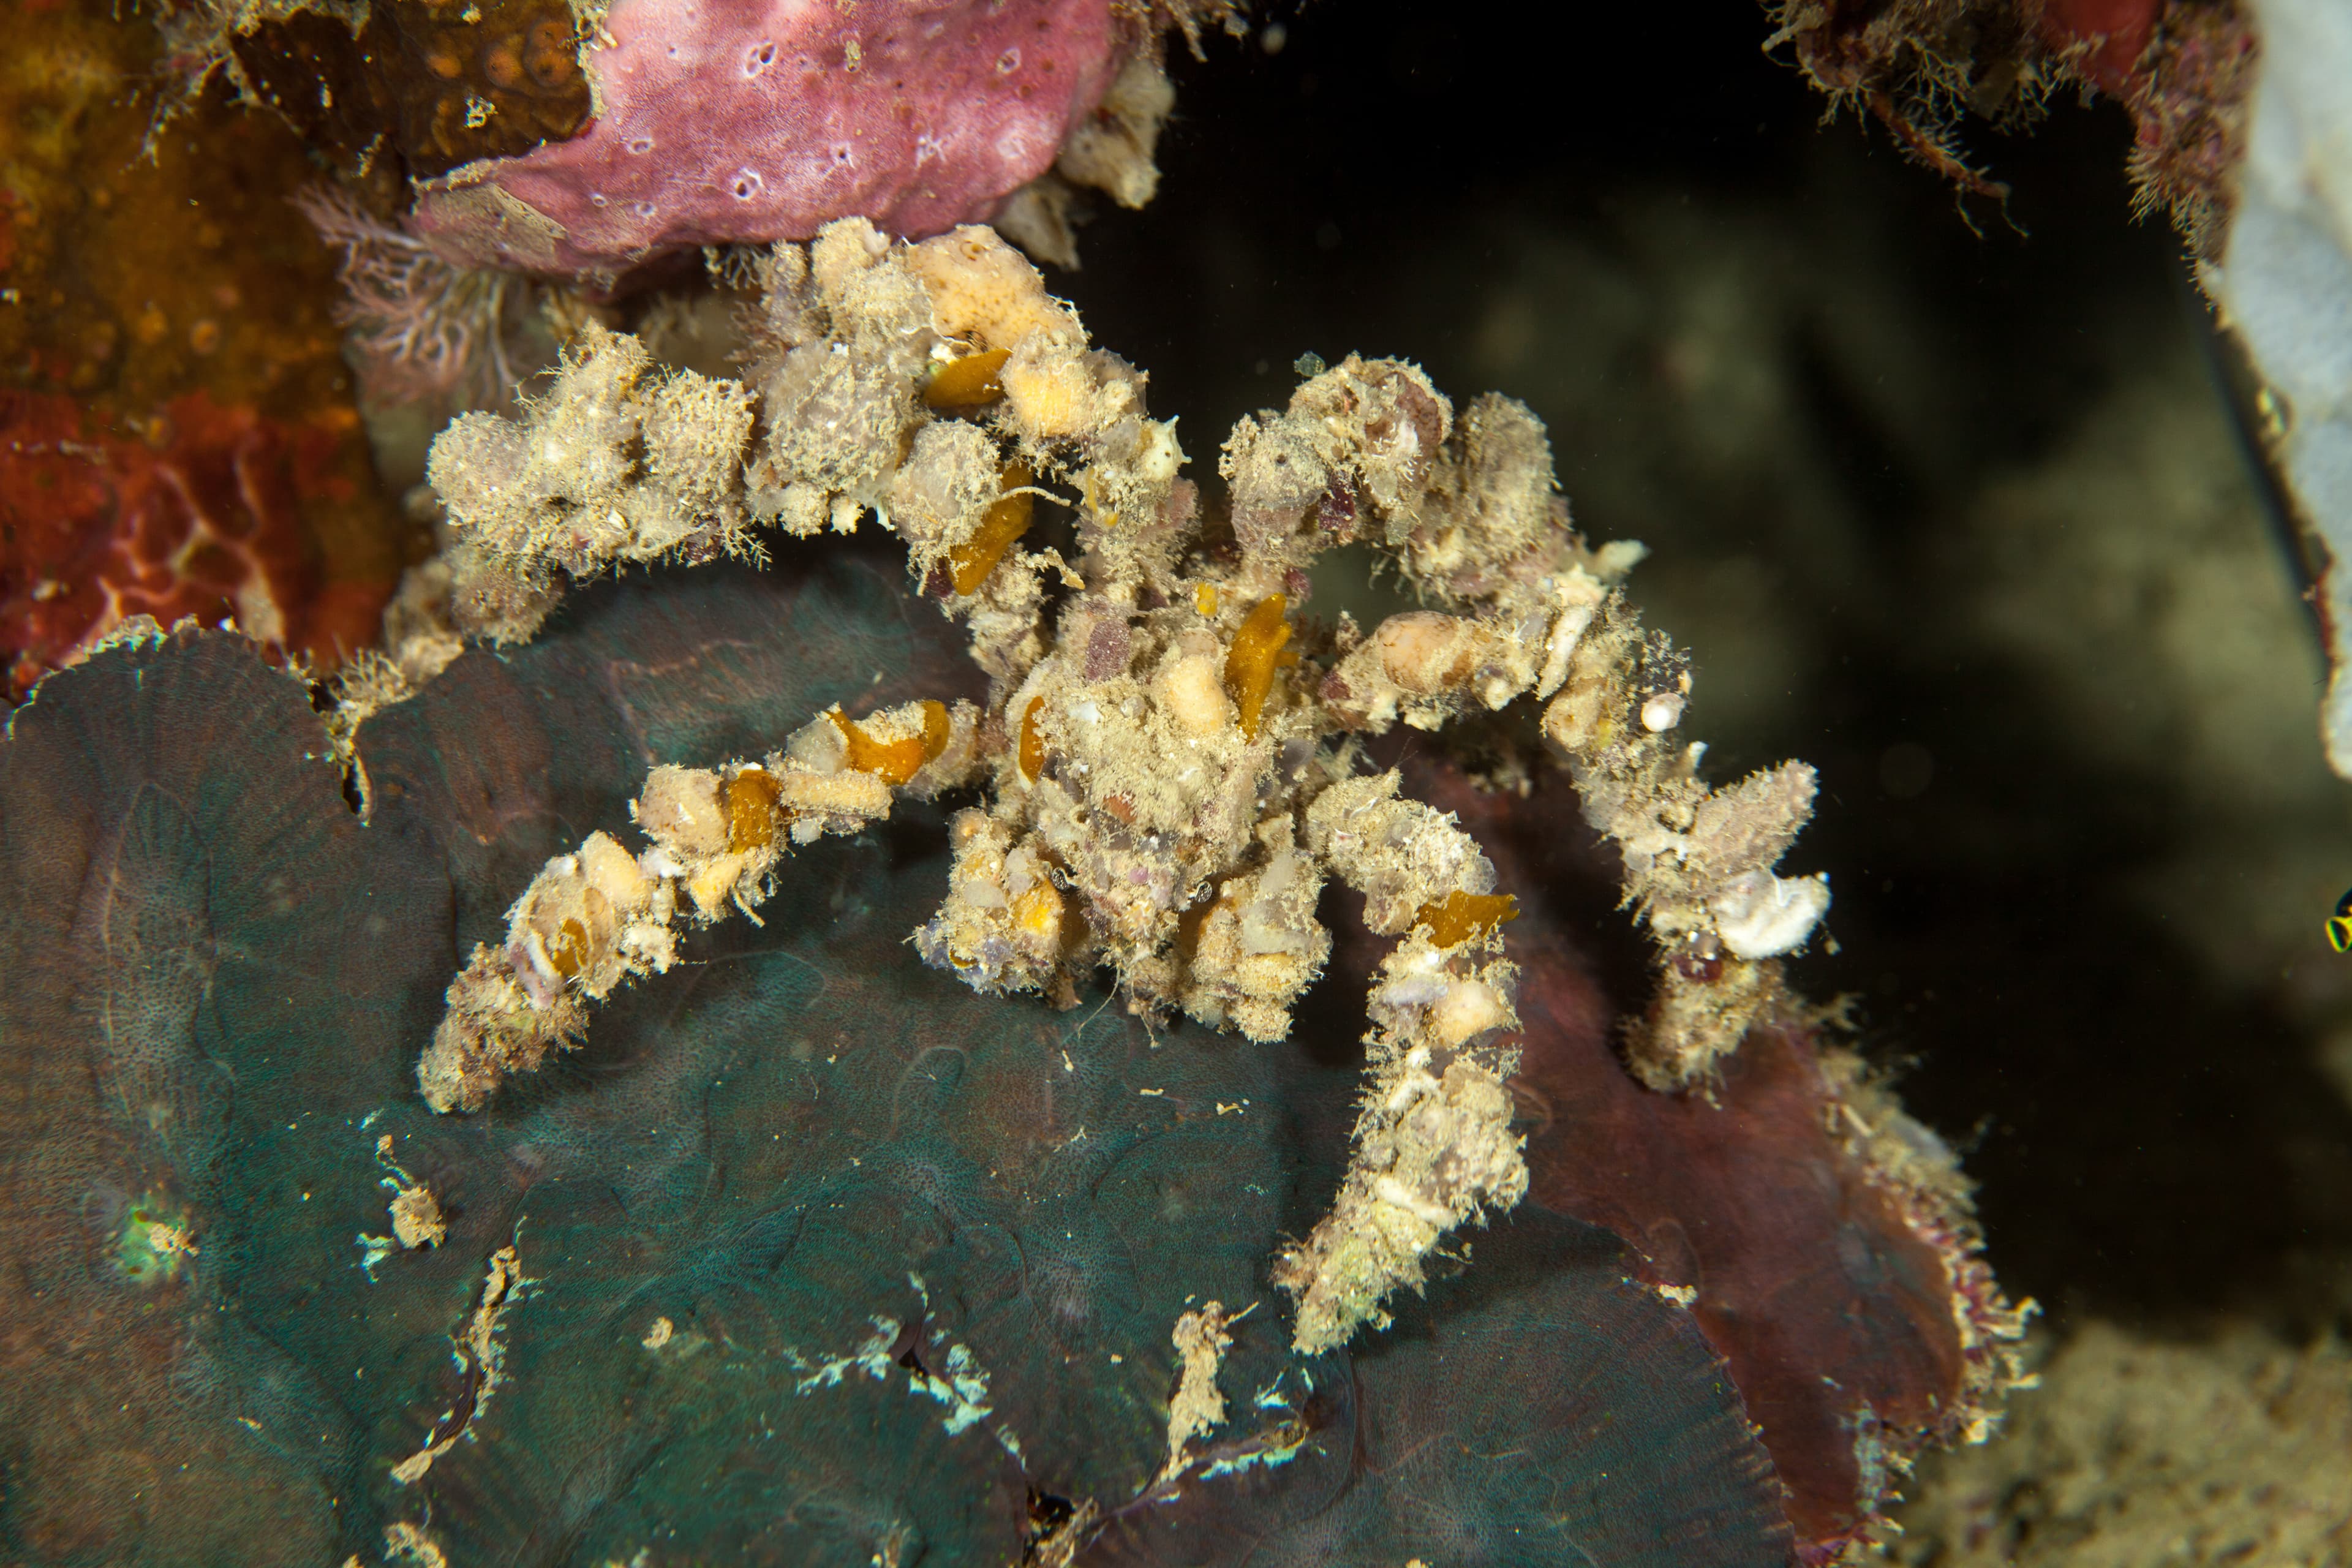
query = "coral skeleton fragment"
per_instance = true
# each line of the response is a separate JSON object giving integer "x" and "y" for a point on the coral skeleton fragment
{"x": 1169, "y": 759}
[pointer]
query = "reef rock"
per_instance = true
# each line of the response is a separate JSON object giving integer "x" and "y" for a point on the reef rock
{"x": 219, "y": 523}
{"x": 177, "y": 430}
{"x": 811, "y": 1255}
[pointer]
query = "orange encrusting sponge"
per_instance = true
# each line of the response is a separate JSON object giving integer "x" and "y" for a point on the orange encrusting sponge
{"x": 895, "y": 762}
{"x": 752, "y": 797}
{"x": 1250, "y": 663}
{"x": 1033, "y": 744}
{"x": 967, "y": 382}
{"x": 1006, "y": 520}
{"x": 1461, "y": 916}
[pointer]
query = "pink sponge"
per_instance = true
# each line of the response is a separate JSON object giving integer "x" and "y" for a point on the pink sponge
{"x": 719, "y": 121}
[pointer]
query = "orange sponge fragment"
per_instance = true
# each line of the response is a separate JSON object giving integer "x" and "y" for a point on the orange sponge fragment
{"x": 1033, "y": 744}
{"x": 1250, "y": 663}
{"x": 1460, "y": 916}
{"x": 967, "y": 382}
{"x": 752, "y": 797}
{"x": 895, "y": 762}
{"x": 1005, "y": 522}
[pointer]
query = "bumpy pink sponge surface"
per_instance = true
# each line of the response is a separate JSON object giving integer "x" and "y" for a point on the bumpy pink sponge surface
{"x": 720, "y": 121}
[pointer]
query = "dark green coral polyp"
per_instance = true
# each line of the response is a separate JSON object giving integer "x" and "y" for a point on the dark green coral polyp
{"x": 154, "y": 1241}
{"x": 826, "y": 1258}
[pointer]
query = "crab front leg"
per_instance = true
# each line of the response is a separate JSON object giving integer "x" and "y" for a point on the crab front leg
{"x": 1434, "y": 1145}
{"x": 600, "y": 916}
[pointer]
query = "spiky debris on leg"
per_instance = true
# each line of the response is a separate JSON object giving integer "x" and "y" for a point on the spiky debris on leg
{"x": 1434, "y": 1145}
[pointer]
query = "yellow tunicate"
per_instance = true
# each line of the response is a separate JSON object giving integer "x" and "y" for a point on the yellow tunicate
{"x": 1193, "y": 922}
{"x": 1250, "y": 663}
{"x": 1204, "y": 598}
{"x": 1194, "y": 695}
{"x": 893, "y": 762}
{"x": 612, "y": 872}
{"x": 967, "y": 382}
{"x": 849, "y": 793}
{"x": 1575, "y": 720}
{"x": 683, "y": 807}
{"x": 751, "y": 797}
{"x": 715, "y": 881}
{"x": 1460, "y": 916}
{"x": 1006, "y": 520}
{"x": 1033, "y": 744}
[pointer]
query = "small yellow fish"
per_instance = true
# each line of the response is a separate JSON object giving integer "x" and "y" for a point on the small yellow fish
{"x": 2339, "y": 924}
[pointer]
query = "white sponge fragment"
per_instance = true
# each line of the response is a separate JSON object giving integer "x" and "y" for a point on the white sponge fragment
{"x": 1759, "y": 915}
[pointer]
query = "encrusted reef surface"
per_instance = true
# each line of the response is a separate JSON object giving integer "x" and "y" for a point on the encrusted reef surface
{"x": 813, "y": 1255}
{"x": 874, "y": 1225}
{"x": 812, "y": 1252}
{"x": 2181, "y": 68}
{"x": 177, "y": 429}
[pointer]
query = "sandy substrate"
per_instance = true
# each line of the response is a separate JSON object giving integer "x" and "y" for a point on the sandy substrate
{"x": 2138, "y": 1452}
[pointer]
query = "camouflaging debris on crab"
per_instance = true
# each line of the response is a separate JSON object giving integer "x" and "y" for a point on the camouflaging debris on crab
{"x": 1168, "y": 762}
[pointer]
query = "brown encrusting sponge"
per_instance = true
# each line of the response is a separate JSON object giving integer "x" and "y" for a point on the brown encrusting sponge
{"x": 1167, "y": 762}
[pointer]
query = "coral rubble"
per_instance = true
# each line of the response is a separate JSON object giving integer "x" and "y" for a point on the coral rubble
{"x": 1165, "y": 797}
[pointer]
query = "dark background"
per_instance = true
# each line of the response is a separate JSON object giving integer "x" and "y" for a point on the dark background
{"x": 2151, "y": 1144}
